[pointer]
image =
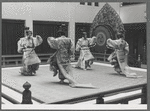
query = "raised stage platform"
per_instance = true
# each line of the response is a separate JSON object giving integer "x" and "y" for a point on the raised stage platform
{"x": 47, "y": 89}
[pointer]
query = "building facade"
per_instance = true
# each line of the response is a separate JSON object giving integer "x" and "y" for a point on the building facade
{"x": 44, "y": 18}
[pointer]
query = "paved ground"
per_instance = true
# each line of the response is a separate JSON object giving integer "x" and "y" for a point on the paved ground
{"x": 47, "y": 88}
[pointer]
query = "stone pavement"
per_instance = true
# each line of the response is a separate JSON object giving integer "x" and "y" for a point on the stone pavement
{"x": 47, "y": 88}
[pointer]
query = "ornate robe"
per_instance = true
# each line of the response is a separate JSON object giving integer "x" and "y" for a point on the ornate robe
{"x": 26, "y": 46}
{"x": 60, "y": 60}
{"x": 119, "y": 57}
{"x": 85, "y": 54}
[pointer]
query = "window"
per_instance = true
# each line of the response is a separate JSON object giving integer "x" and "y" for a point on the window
{"x": 131, "y": 3}
{"x": 82, "y": 3}
{"x": 89, "y": 3}
{"x": 96, "y": 4}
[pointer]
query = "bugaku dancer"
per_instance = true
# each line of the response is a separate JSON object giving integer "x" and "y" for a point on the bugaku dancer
{"x": 60, "y": 60}
{"x": 83, "y": 46}
{"x": 119, "y": 57}
{"x": 31, "y": 61}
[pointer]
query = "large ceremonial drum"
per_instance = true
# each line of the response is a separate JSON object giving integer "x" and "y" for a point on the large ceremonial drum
{"x": 102, "y": 33}
{"x": 106, "y": 24}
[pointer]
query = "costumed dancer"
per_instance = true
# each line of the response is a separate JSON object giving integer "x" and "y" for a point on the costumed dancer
{"x": 83, "y": 45}
{"x": 119, "y": 57}
{"x": 27, "y": 45}
{"x": 60, "y": 60}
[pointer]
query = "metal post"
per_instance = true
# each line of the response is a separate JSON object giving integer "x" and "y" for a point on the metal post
{"x": 26, "y": 96}
{"x": 3, "y": 61}
{"x": 144, "y": 97}
{"x": 144, "y": 55}
{"x": 105, "y": 56}
{"x": 139, "y": 57}
{"x": 100, "y": 100}
{"x": 16, "y": 63}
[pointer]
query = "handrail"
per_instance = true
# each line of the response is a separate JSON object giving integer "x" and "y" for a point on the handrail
{"x": 124, "y": 99}
{"x": 102, "y": 56}
{"x": 100, "y": 95}
{"x": 44, "y": 55}
{"x": 21, "y": 55}
{"x": 10, "y": 99}
{"x": 3, "y": 56}
{"x": 17, "y": 59}
{"x": 18, "y": 91}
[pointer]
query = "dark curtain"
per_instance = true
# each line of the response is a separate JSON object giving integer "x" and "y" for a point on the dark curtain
{"x": 136, "y": 37}
{"x": 47, "y": 29}
{"x": 12, "y": 31}
{"x": 78, "y": 30}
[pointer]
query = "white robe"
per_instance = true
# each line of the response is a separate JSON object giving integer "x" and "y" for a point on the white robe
{"x": 27, "y": 46}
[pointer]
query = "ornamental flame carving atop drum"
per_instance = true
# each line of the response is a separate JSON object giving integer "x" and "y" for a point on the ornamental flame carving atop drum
{"x": 106, "y": 24}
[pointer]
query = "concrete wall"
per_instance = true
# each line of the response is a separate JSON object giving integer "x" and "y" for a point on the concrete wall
{"x": 87, "y": 13}
{"x": 71, "y": 12}
{"x": 133, "y": 14}
{"x": 52, "y": 11}
{"x": 21, "y": 11}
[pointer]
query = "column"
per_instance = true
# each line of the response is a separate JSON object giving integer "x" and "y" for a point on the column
{"x": 29, "y": 21}
{"x": 71, "y": 27}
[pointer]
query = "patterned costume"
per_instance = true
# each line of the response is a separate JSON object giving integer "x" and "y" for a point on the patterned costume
{"x": 119, "y": 57}
{"x": 61, "y": 56}
{"x": 86, "y": 58}
{"x": 60, "y": 60}
{"x": 26, "y": 45}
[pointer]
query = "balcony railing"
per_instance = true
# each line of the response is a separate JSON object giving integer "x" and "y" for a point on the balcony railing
{"x": 16, "y": 60}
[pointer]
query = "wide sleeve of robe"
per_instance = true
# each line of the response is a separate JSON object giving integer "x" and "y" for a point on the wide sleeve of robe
{"x": 92, "y": 41}
{"x": 20, "y": 46}
{"x": 72, "y": 47}
{"x": 52, "y": 42}
{"x": 112, "y": 43}
{"x": 126, "y": 48}
{"x": 38, "y": 40}
{"x": 78, "y": 45}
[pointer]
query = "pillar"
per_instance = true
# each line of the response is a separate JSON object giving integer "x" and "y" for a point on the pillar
{"x": 29, "y": 21}
{"x": 71, "y": 27}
